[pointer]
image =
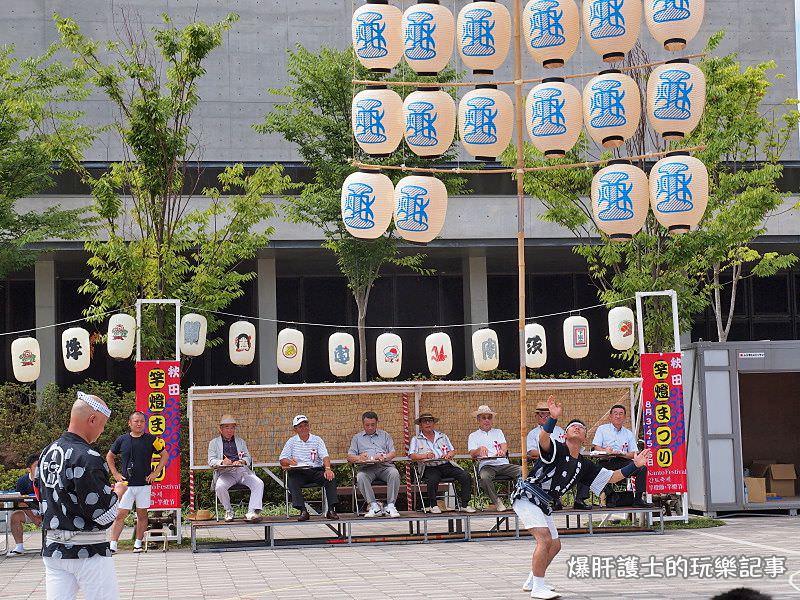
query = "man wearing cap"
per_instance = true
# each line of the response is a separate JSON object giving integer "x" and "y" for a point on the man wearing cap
{"x": 373, "y": 450}
{"x": 437, "y": 451}
{"x": 306, "y": 459}
{"x": 229, "y": 457}
{"x": 488, "y": 446}
{"x": 532, "y": 441}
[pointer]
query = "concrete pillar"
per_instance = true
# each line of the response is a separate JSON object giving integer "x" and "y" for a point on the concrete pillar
{"x": 267, "y": 330}
{"x": 45, "y": 299}
{"x": 476, "y": 302}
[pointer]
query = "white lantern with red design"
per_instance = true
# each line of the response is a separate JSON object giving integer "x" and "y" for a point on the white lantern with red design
{"x": 620, "y": 328}
{"x": 367, "y": 204}
{"x": 194, "y": 329}
{"x": 440, "y": 354}
{"x": 341, "y": 354}
{"x": 552, "y": 31}
{"x": 676, "y": 98}
{"x": 554, "y": 116}
{"x": 612, "y": 107}
{"x": 576, "y": 337}
{"x": 290, "y": 350}
{"x": 486, "y": 349}
{"x": 484, "y": 35}
{"x": 535, "y": 346}
{"x": 679, "y": 192}
{"x": 485, "y": 122}
{"x": 121, "y": 337}
{"x": 429, "y": 115}
{"x": 378, "y": 120}
{"x": 674, "y": 23}
{"x": 242, "y": 343}
{"x": 612, "y": 26}
{"x": 377, "y": 35}
{"x": 26, "y": 359}
{"x": 389, "y": 355}
{"x": 76, "y": 349}
{"x": 620, "y": 200}
{"x": 420, "y": 208}
{"x": 428, "y": 35}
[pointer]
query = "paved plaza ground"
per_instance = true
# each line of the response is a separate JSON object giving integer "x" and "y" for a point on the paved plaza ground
{"x": 482, "y": 570}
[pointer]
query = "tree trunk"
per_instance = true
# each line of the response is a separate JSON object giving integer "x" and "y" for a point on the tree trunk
{"x": 362, "y": 298}
{"x": 716, "y": 305}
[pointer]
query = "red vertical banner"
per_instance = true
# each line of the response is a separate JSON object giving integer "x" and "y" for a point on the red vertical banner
{"x": 663, "y": 422}
{"x": 158, "y": 396}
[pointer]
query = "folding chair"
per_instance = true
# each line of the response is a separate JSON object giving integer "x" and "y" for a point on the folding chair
{"x": 354, "y": 473}
{"x": 418, "y": 480}
{"x": 507, "y": 479}
{"x": 234, "y": 489}
{"x": 306, "y": 486}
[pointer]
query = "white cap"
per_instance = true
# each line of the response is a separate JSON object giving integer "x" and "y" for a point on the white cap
{"x": 299, "y": 419}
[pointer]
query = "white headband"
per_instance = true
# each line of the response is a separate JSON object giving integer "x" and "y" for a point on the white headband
{"x": 93, "y": 403}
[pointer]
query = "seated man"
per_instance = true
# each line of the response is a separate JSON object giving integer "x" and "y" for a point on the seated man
{"x": 435, "y": 448}
{"x": 228, "y": 454}
{"x": 308, "y": 452}
{"x": 375, "y": 447}
{"x": 490, "y": 444}
{"x": 29, "y": 514}
{"x": 532, "y": 441}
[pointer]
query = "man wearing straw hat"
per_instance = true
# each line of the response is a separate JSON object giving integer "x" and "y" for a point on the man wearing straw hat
{"x": 532, "y": 441}
{"x": 488, "y": 445}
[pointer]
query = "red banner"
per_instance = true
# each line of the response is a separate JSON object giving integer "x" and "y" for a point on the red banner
{"x": 158, "y": 396}
{"x": 663, "y": 422}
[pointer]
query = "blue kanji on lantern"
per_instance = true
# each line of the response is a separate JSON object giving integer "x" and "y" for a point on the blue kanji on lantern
{"x": 666, "y": 11}
{"x": 547, "y": 113}
{"x": 673, "y": 188}
{"x": 369, "y": 121}
{"x": 672, "y": 95}
{"x": 614, "y": 193}
{"x": 606, "y": 107}
{"x": 545, "y": 25}
{"x": 489, "y": 349}
{"x": 419, "y": 41}
{"x": 370, "y": 41}
{"x": 412, "y": 208}
{"x": 479, "y": 121}
{"x": 607, "y": 19}
{"x": 341, "y": 354}
{"x": 421, "y": 124}
{"x": 476, "y": 35}
{"x": 358, "y": 206}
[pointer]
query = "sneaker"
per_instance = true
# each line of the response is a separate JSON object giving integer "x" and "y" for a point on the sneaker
{"x": 138, "y": 549}
{"x": 229, "y": 515}
{"x": 500, "y": 507}
{"x": 436, "y": 510}
{"x": 545, "y": 594}
{"x": 391, "y": 510}
{"x": 252, "y": 517}
{"x": 15, "y": 552}
{"x": 374, "y": 511}
{"x": 528, "y": 585}
{"x": 469, "y": 509}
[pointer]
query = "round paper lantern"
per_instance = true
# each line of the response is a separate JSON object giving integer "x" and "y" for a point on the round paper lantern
{"x": 389, "y": 355}
{"x": 484, "y": 35}
{"x": 554, "y": 117}
{"x": 290, "y": 350}
{"x": 341, "y": 354}
{"x": 121, "y": 336}
{"x": 26, "y": 359}
{"x": 367, "y": 204}
{"x": 612, "y": 106}
{"x": 76, "y": 350}
{"x": 420, "y": 207}
{"x": 440, "y": 354}
{"x": 620, "y": 199}
{"x": 676, "y": 98}
{"x": 679, "y": 192}
{"x": 535, "y": 346}
{"x": 194, "y": 329}
{"x": 576, "y": 337}
{"x": 486, "y": 349}
{"x": 377, "y": 37}
{"x": 242, "y": 343}
{"x": 485, "y": 122}
{"x": 430, "y": 119}
{"x": 612, "y": 26}
{"x": 428, "y": 31}
{"x": 674, "y": 23}
{"x": 620, "y": 327}
{"x": 552, "y": 31}
{"x": 378, "y": 120}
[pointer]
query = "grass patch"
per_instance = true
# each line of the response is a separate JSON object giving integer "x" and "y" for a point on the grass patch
{"x": 186, "y": 543}
{"x": 694, "y": 523}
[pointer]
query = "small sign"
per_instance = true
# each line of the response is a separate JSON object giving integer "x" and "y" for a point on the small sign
{"x": 752, "y": 354}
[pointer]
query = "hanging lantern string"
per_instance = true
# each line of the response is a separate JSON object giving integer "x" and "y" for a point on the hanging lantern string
{"x": 29, "y": 329}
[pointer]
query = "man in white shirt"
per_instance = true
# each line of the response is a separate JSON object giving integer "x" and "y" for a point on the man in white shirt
{"x": 532, "y": 441}
{"x": 488, "y": 445}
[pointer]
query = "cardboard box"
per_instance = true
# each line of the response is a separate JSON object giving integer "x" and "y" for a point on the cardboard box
{"x": 756, "y": 489}
{"x": 760, "y": 467}
{"x": 781, "y": 479}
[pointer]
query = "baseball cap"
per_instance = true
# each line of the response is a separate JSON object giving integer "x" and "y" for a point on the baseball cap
{"x": 299, "y": 419}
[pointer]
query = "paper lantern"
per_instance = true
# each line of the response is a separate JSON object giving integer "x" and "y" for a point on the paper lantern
{"x": 121, "y": 337}
{"x": 553, "y": 116}
{"x": 26, "y": 359}
{"x": 377, "y": 36}
{"x": 612, "y": 26}
{"x": 674, "y": 23}
{"x": 242, "y": 343}
{"x": 76, "y": 350}
{"x": 679, "y": 192}
{"x": 485, "y": 122}
{"x": 612, "y": 106}
{"x": 620, "y": 200}
{"x": 389, "y": 355}
{"x": 620, "y": 328}
{"x": 367, "y": 204}
{"x": 420, "y": 207}
{"x": 576, "y": 337}
{"x": 290, "y": 350}
{"x": 194, "y": 329}
{"x": 378, "y": 120}
{"x": 429, "y": 115}
{"x": 341, "y": 354}
{"x": 485, "y": 349}
{"x": 428, "y": 31}
{"x": 676, "y": 98}
{"x": 484, "y": 35}
{"x": 440, "y": 354}
{"x": 552, "y": 31}
{"x": 535, "y": 346}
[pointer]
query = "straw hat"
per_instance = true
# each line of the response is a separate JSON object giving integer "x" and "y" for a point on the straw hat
{"x": 541, "y": 406}
{"x": 426, "y": 416}
{"x": 200, "y": 515}
{"x": 227, "y": 420}
{"x": 483, "y": 409}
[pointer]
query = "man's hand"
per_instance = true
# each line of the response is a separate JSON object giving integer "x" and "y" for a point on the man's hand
{"x": 363, "y": 457}
{"x": 641, "y": 459}
{"x": 554, "y": 407}
{"x": 329, "y": 474}
{"x": 120, "y": 488}
{"x": 118, "y": 477}
{"x": 483, "y": 452}
{"x": 150, "y": 478}
{"x": 226, "y": 461}
{"x": 240, "y": 463}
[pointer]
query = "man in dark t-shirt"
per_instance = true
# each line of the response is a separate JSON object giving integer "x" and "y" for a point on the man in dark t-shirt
{"x": 29, "y": 512}
{"x": 137, "y": 449}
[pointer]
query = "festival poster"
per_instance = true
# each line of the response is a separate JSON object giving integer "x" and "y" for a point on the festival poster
{"x": 663, "y": 422}
{"x": 158, "y": 396}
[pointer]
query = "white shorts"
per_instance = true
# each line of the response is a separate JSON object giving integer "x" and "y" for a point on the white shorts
{"x": 140, "y": 494}
{"x": 533, "y": 517}
{"x": 94, "y": 576}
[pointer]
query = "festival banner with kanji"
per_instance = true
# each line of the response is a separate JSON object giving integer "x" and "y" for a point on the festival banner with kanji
{"x": 158, "y": 396}
{"x": 663, "y": 422}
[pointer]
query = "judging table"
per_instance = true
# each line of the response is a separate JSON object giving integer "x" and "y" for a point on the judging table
{"x": 9, "y": 502}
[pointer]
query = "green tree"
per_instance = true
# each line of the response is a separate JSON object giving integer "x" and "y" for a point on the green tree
{"x": 317, "y": 119}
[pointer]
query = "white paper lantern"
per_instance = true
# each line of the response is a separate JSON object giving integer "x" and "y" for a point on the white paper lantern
{"x": 486, "y": 349}
{"x": 429, "y": 115}
{"x": 620, "y": 200}
{"x": 389, "y": 355}
{"x": 554, "y": 116}
{"x": 290, "y": 350}
{"x": 679, "y": 192}
{"x": 121, "y": 337}
{"x": 612, "y": 26}
{"x": 484, "y": 35}
{"x": 485, "y": 122}
{"x": 676, "y": 98}
{"x": 535, "y": 346}
{"x": 420, "y": 208}
{"x": 341, "y": 354}
{"x": 552, "y": 31}
{"x": 440, "y": 354}
{"x": 242, "y": 343}
{"x": 26, "y": 359}
{"x": 377, "y": 35}
{"x": 377, "y": 114}
{"x": 612, "y": 106}
{"x": 194, "y": 329}
{"x": 428, "y": 35}
{"x": 76, "y": 350}
{"x": 620, "y": 328}
{"x": 674, "y": 23}
{"x": 367, "y": 204}
{"x": 576, "y": 337}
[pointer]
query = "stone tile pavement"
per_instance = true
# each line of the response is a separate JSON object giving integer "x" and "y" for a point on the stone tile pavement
{"x": 480, "y": 570}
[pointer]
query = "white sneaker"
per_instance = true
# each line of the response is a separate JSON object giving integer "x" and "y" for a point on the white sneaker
{"x": 545, "y": 594}
{"x": 252, "y": 516}
{"x": 500, "y": 507}
{"x": 229, "y": 515}
{"x": 391, "y": 510}
{"x": 469, "y": 509}
{"x": 436, "y": 510}
{"x": 374, "y": 511}
{"x": 528, "y": 585}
